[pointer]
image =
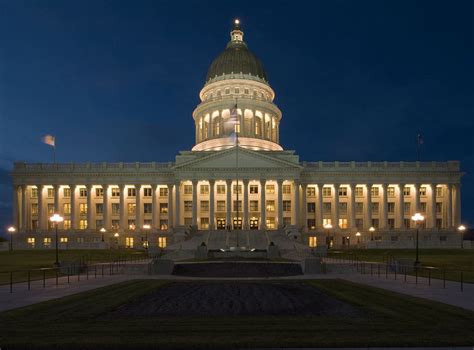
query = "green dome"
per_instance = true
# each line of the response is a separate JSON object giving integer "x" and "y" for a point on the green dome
{"x": 236, "y": 59}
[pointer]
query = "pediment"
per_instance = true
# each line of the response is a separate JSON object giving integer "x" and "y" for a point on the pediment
{"x": 241, "y": 158}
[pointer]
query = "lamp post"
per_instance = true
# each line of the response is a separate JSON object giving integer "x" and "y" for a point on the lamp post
{"x": 358, "y": 239}
{"x": 116, "y": 235}
{"x": 461, "y": 229}
{"x": 417, "y": 218}
{"x": 146, "y": 227}
{"x": 348, "y": 242}
{"x": 372, "y": 230}
{"x": 327, "y": 227}
{"x": 103, "y": 230}
{"x": 11, "y": 230}
{"x": 56, "y": 219}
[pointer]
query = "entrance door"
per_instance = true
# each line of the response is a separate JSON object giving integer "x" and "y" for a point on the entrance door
{"x": 221, "y": 224}
{"x": 237, "y": 223}
{"x": 254, "y": 224}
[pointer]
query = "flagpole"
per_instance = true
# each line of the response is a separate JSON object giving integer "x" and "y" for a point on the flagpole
{"x": 237, "y": 166}
{"x": 54, "y": 153}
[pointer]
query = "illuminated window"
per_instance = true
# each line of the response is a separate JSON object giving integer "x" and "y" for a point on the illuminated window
{"x": 131, "y": 208}
{"x": 163, "y": 225}
{"x": 204, "y": 189}
{"x": 162, "y": 242}
{"x": 163, "y": 208}
{"x": 188, "y": 206}
{"x": 220, "y": 189}
{"x": 83, "y": 208}
{"x": 343, "y": 223}
{"x": 50, "y": 192}
{"x": 47, "y": 242}
{"x": 270, "y": 206}
{"x": 359, "y": 191}
{"x": 313, "y": 241}
{"x": 327, "y": 191}
{"x": 204, "y": 223}
{"x": 147, "y": 208}
{"x": 311, "y": 191}
{"x": 271, "y": 223}
{"x": 50, "y": 209}
{"x": 422, "y": 191}
{"x": 83, "y": 192}
{"x": 253, "y": 205}
{"x": 311, "y": 207}
{"x": 270, "y": 189}
{"x": 31, "y": 242}
{"x": 406, "y": 191}
{"x": 220, "y": 205}
{"x": 286, "y": 189}
{"x": 63, "y": 240}
{"x": 286, "y": 206}
{"x": 67, "y": 208}
{"x": 188, "y": 189}
{"x": 343, "y": 191}
{"x": 66, "y": 192}
{"x": 115, "y": 224}
{"x": 147, "y": 192}
{"x": 128, "y": 242}
{"x": 115, "y": 192}
{"x": 327, "y": 222}
{"x": 34, "y": 209}
{"x": 253, "y": 189}
{"x": 67, "y": 224}
{"x": 374, "y": 191}
{"x": 131, "y": 224}
{"x": 131, "y": 191}
{"x": 80, "y": 239}
{"x": 205, "y": 206}
{"x": 99, "y": 192}
{"x": 34, "y": 193}
{"x": 390, "y": 191}
{"x": 82, "y": 224}
{"x": 163, "y": 191}
{"x": 257, "y": 128}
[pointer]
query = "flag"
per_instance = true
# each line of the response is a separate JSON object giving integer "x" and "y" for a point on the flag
{"x": 420, "y": 139}
{"x": 49, "y": 140}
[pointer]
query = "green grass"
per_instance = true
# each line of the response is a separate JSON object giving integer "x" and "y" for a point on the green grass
{"x": 446, "y": 261}
{"x": 20, "y": 261}
{"x": 86, "y": 321}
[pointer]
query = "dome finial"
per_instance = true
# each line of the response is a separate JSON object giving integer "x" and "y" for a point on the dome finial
{"x": 236, "y": 35}
{"x": 237, "y": 24}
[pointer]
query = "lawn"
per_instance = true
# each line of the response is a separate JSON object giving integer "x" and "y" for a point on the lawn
{"x": 89, "y": 320}
{"x": 20, "y": 261}
{"x": 446, "y": 261}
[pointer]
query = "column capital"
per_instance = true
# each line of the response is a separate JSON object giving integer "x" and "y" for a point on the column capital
{"x": 154, "y": 186}
{"x": 121, "y": 186}
{"x": 104, "y": 186}
{"x": 263, "y": 181}
{"x": 336, "y": 185}
{"x": 384, "y": 185}
{"x": 246, "y": 181}
{"x": 449, "y": 185}
{"x": 212, "y": 182}
{"x": 296, "y": 181}
{"x": 320, "y": 185}
{"x": 417, "y": 185}
{"x": 279, "y": 182}
{"x": 369, "y": 185}
{"x": 194, "y": 182}
{"x": 228, "y": 182}
{"x": 138, "y": 186}
{"x": 352, "y": 185}
{"x": 22, "y": 186}
{"x": 88, "y": 186}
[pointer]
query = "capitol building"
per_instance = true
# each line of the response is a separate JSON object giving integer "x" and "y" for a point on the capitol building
{"x": 237, "y": 177}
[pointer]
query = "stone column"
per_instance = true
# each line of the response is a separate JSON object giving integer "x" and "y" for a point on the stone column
{"x": 15, "y": 207}
{"x": 154, "y": 208}
{"x": 177, "y": 203}
{"x": 228, "y": 202}
{"x": 105, "y": 215}
{"x": 170, "y": 206}
{"x": 212, "y": 214}
{"x": 123, "y": 210}
{"x": 384, "y": 208}
{"x": 431, "y": 209}
{"x": 335, "y": 208}
{"x": 319, "y": 207}
{"x": 24, "y": 210}
{"x": 417, "y": 198}
{"x": 352, "y": 207}
{"x": 263, "y": 208}
{"x": 401, "y": 207}
{"x": 138, "y": 208}
{"x": 195, "y": 199}
{"x": 41, "y": 222}
{"x": 296, "y": 209}
{"x": 245, "y": 201}
{"x": 280, "y": 203}
{"x": 56, "y": 198}
{"x": 457, "y": 205}
{"x": 449, "y": 209}
{"x": 368, "y": 207}
{"x": 90, "y": 209}
{"x": 304, "y": 204}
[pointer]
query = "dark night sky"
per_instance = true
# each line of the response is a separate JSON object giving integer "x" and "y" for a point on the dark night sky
{"x": 118, "y": 80}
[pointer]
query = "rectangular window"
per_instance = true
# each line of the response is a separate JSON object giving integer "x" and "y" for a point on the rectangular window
{"x": 80, "y": 239}
{"x": 220, "y": 205}
{"x": 162, "y": 242}
{"x": 147, "y": 192}
{"x": 311, "y": 191}
{"x": 286, "y": 221}
{"x": 82, "y": 224}
{"x": 359, "y": 191}
{"x": 99, "y": 192}
{"x": 343, "y": 191}
{"x": 237, "y": 206}
{"x": 220, "y": 189}
{"x": 204, "y": 206}
{"x": 327, "y": 191}
{"x": 163, "y": 225}
{"x": 131, "y": 208}
{"x": 128, "y": 242}
{"x": 343, "y": 223}
{"x": 407, "y": 223}
{"x": 99, "y": 208}
{"x": 423, "y": 207}
{"x": 270, "y": 206}
{"x": 375, "y": 223}
{"x": 391, "y": 223}
{"x": 326, "y": 208}
{"x": 423, "y": 191}
{"x": 439, "y": 192}
{"x": 270, "y": 189}
{"x": 311, "y": 207}
{"x": 31, "y": 242}
{"x": 34, "y": 209}
{"x": 443, "y": 238}
{"x": 47, "y": 242}
{"x": 375, "y": 208}
{"x": 311, "y": 224}
{"x": 115, "y": 192}
{"x": 390, "y": 191}
{"x": 253, "y": 189}
{"x": 83, "y": 208}
{"x": 253, "y": 205}
{"x": 131, "y": 224}
{"x": 439, "y": 208}
{"x": 99, "y": 224}
{"x": 439, "y": 224}
{"x": 312, "y": 241}
{"x": 163, "y": 191}
{"x": 131, "y": 192}
{"x": 286, "y": 189}
{"x": 188, "y": 221}
{"x": 67, "y": 224}
{"x": 115, "y": 208}
{"x": 286, "y": 206}
{"x": 407, "y": 207}
{"x": 63, "y": 240}
{"x": 147, "y": 208}
{"x": 235, "y": 189}
{"x": 394, "y": 238}
{"x": 205, "y": 223}
{"x": 327, "y": 222}
{"x": 67, "y": 208}
{"x": 342, "y": 208}
{"x": 188, "y": 206}
{"x": 34, "y": 193}
{"x": 374, "y": 191}
{"x": 271, "y": 223}
{"x": 83, "y": 192}
{"x": 147, "y": 222}
{"x": 50, "y": 192}
{"x": 359, "y": 224}
{"x": 390, "y": 207}
{"x": 188, "y": 189}
{"x": 163, "y": 208}
{"x": 359, "y": 207}
{"x": 406, "y": 191}
{"x": 115, "y": 224}
{"x": 66, "y": 192}
{"x": 50, "y": 209}
{"x": 204, "y": 189}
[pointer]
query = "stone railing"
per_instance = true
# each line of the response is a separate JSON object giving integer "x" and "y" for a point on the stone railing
{"x": 20, "y": 166}
{"x": 381, "y": 166}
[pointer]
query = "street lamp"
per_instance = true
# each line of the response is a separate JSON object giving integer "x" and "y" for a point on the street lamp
{"x": 56, "y": 219}
{"x": 461, "y": 229}
{"x": 372, "y": 229}
{"x": 327, "y": 227}
{"x": 417, "y": 218}
{"x": 103, "y": 230}
{"x": 116, "y": 235}
{"x": 146, "y": 227}
{"x": 11, "y": 230}
{"x": 358, "y": 238}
